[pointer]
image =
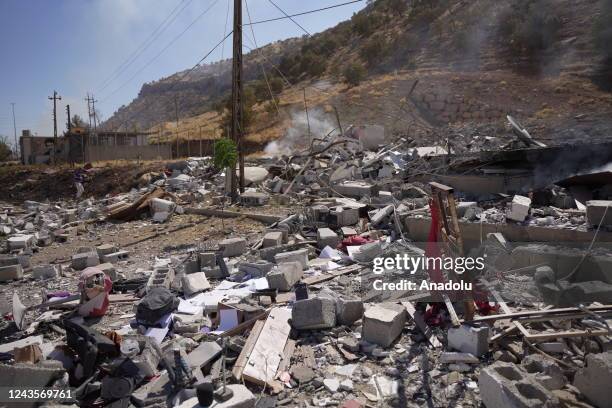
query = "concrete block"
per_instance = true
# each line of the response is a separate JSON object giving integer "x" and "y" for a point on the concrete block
{"x": 518, "y": 208}
{"x": 109, "y": 270}
{"x": 348, "y": 311}
{"x": 468, "y": 339}
{"x": 505, "y": 385}
{"x": 213, "y": 272}
{"x": 545, "y": 371}
{"x": 116, "y": 256}
{"x": 233, "y": 246}
{"x": 257, "y": 269}
{"x": 30, "y": 375}
{"x": 161, "y": 277}
{"x": 595, "y": 378}
{"x": 343, "y": 216}
{"x": 7, "y": 260}
{"x": 11, "y": 272}
{"x": 20, "y": 242}
{"x": 327, "y": 237}
{"x": 313, "y": 313}
{"x": 300, "y": 255}
{"x": 380, "y": 215}
{"x": 595, "y": 210}
{"x": 357, "y": 189}
{"x": 195, "y": 283}
{"x": 285, "y": 276}
{"x": 45, "y": 272}
{"x": 84, "y": 260}
{"x": 106, "y": 249}
{"x": 383, "y": 323}
{"x": 272, "y": 239}
{"x": 367, "y": 252}
{"x": 158, "y": 205}
{"x": 254, "y": 199}
{"x": 282, "y": 228}
{"x": 207, "y": 259}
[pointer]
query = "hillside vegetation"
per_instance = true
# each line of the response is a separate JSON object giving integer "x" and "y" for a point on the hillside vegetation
{"x": 413, "y": 66}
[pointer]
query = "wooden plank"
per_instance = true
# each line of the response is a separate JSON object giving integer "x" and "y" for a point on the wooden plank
{"x": 537, "y": 313}
{"x": 325, "y": 276}
{"x": 420, "y": 322}
{"x": 247, "y": 349}
{"x": 451, "y": 311}
{"x": 565, "y": 334}
{"x": 287, "y": 354}
{"x": 266, "y": 356}
{"x": 504, "y": 307}
{"x": 244, "y": 325}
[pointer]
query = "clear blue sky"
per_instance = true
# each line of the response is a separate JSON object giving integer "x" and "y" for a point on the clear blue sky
{"x": 73, "y": 46}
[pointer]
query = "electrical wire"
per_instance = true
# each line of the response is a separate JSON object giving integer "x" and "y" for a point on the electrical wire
{"x": 304, "y": 13}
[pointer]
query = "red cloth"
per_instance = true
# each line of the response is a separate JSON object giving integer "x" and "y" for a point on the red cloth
{"x": 354, "y": 240}
{"x": 432, "y": 250}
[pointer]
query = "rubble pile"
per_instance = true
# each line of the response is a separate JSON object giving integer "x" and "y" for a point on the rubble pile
{"x": 290, "y": 314}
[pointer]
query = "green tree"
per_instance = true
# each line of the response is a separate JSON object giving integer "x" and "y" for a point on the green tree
{"x": 248, "y": 113}
{"x": 354, "y": 73}
{"x": 5, "y": 149}
{"x": 373, "y": 49}
{"x": 226, "y": 156}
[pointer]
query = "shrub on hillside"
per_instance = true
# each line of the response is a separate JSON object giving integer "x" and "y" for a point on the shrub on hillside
{"x": 373, "y": 49}
{"x": 354, "y": 73}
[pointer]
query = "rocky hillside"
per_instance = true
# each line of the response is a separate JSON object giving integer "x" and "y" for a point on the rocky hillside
{"x": 412, "y": 66}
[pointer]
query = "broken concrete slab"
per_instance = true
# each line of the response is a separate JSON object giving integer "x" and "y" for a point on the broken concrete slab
{"x": 313, "y": 313}
{"x": 84, "y": 260}
{"x": 195, "y": 283}
{"x": 272, "y": 239}
{"x": 115, "y": 257}
{"x": 383, "y": 323}
{"x": 545, "y": 371}
{"x": 11, "y": 272}
{"x": 300, "y": 255}
{"x": 285, "y": 276}
{"x": 595, "y": 378}
{"x": 348, "y": 311}
{"x": 241, "y": 398}
{"x": 254, "y": 199}
{"x": 45, "y": 272}
{"x": 599, "y": 211}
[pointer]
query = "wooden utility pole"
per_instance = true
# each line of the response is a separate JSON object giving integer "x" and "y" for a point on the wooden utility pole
{"x": 68, "y": 123}
{"x": 177, "y": 124}
{"x": 15, "y": 130}
{"x": 237, "y": 99}
{"x": 55, "y": 98}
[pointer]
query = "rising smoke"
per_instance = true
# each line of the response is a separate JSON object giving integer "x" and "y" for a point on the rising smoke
{"x": 296, "y": 137}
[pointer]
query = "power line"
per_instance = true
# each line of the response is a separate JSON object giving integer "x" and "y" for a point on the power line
{"x": 162, "y": 51}
{"x": 148, "y": 41}
{"x": 304, "y": 13}
{"x": 290, "y": 18}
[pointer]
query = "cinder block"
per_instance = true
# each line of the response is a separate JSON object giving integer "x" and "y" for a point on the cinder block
{"x": 518, "y": 208}
{"x": 161, "y": 277}
{"x": 545, "y": 371}
{"x": 84, "y": 260}
{"x": 45, "y": 272}
{"x": 357, "y": 189}
{"x": 116, "y": 256}
{"x": 272, "y": 239}
{"x": 327, "y": 237}
{"x": 213, "y": 272}
{"x": 233, "y": 246}
{"x": 505, "y": 385}
{"x": 343, "y": 216}
{"x": 7, "y": 260}
{"x": 313, "y": 313}
{"x": 301, "y": 256}
{"x": 595, "y": 378}
{"x": 383, "y": 323}
{"x": 285, "y": 276}
{"x": 256, "y": 269}
{"x": 207, "y": 259}
{"x": 11, "y": 272}
{"x": 468, "y": 339}
{"x": 20, "y": 242}
{"x": 106, "y": 249}
{"x": 195, "y": 283}
{"x": 348, "y": 311}
{"x": 595, "y": 210}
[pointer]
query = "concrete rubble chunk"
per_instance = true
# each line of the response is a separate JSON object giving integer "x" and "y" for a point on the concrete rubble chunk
{"x": 233, "y": 246}
{"x": 285, "y": 276}
{"x": 300, "y": 255}
{"x": 11, "y": 272}
{"x": 518, "y": 209}
{"x": 30, "y": 375}
{"x": 242, "y": 398}
{"x": 313, "y": 313}
{"x": 468, "y": 339}
{"x": 272, "y": 239}
{"x": 207, "y": 259}
{"x": 595, "y": 379}
{"x": 84, "y": 260}
{"x": 454, "y": 357}
{"x": 599, "y": 211}
{"x": 327, "y": 237}
{"x": 348, "y": 311}
{"x": 194, "y": 283}
{"x": 545, "y": 371}
{"x": 115, "y": 257}
{"x": 505, "y": 385}
{"x": 383, "y": 323}
{"x": 106, "y": 249}
{"x": 45, "y": 272}
{"x": 253, "y": 199}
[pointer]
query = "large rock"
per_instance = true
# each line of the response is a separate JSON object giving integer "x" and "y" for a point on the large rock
{"x": 254, "y": 175}
{"x": 383, "y": 323}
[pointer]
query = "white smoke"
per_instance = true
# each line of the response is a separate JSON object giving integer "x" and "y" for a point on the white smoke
{"x": 296, "y": 137}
